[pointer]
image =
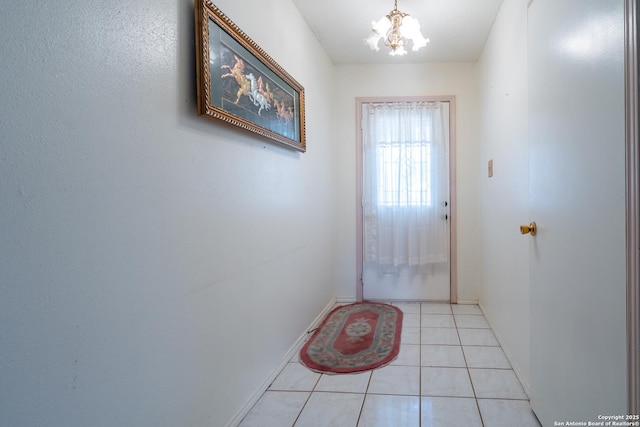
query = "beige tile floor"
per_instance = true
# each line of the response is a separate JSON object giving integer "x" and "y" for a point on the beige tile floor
{"x": 450, "y": 371}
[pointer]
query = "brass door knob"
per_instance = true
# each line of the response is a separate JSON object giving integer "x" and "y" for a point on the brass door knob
{"x": 529, "y": 229}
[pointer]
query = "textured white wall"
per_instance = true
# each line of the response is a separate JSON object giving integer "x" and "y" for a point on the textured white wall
{"x": 504, "y": 198}
{"x": 154, "y": 267}
{"x": 459, "y": 79}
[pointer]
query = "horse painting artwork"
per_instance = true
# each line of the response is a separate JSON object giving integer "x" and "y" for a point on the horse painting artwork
{"x": 282, "y": 112}
{"x": 237, "y": 72}
{"x": 263, "y": 88}
{"x": 254, "y": 88}
{"x": 248, "y": 92}
{"x": 258, "y": 99}
{"x": 240, "y": 84}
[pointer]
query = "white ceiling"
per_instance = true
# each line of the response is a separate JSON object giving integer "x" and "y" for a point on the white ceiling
{"x": 457, "y": 29}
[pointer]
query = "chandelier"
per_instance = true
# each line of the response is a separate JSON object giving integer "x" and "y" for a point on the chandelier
{"x": 396, "y": 29}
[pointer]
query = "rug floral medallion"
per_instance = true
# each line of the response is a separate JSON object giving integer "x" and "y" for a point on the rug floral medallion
{"x": 354, "y": 338}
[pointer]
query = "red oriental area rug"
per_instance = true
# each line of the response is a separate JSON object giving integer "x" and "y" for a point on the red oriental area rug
{"x": 354, "y": 338}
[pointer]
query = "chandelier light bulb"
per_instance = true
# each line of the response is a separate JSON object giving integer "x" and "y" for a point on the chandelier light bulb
{"x": 396, "y": 29}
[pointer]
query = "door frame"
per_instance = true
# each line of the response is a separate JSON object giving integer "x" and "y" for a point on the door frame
{"x": 453, "y": 273}
{"x": 633, "y": 203}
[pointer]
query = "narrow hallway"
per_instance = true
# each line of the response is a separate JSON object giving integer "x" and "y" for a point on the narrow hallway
{"x": 451, "y": 371}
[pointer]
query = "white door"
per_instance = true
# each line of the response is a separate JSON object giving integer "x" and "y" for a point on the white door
{"x": 577, "y": 198}
{"x": 428, "y": 283}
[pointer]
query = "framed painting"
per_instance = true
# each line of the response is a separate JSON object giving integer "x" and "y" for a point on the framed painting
{"x": 240, "y": 84}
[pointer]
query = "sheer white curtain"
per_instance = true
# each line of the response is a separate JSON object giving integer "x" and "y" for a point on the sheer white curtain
{"x": 405, "y": 184}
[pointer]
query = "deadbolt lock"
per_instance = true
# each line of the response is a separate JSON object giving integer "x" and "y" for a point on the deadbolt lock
{"x": 529, "y": 229}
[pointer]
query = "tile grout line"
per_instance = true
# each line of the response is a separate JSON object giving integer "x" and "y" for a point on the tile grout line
{"x": 306, "y": 401}
{"x": 364, "y": 399}
{"x": 475, "y": 396}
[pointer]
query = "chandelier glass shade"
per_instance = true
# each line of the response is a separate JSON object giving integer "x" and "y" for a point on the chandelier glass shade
{"x": 396, "y": 29}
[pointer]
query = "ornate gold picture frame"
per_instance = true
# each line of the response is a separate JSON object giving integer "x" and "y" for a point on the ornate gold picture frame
{"x": 240, "y": 84}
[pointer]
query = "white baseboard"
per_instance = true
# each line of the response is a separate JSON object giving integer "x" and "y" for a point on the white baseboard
{"x": 507, "y": 353}
{"x": 244, "y": 410}
{"x": 345, "y": 300}
{"x": 467, "y": 302}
